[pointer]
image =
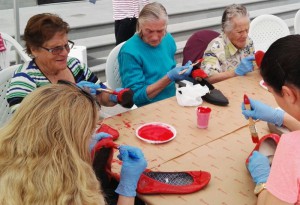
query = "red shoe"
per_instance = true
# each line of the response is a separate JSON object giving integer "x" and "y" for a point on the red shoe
{"x": 266, "y": 146}
{"x": 109, "y": 130}
{"x": 172, "y": 182}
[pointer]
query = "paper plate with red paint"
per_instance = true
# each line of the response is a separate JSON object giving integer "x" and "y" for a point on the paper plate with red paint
{"x": 156, "y": 132}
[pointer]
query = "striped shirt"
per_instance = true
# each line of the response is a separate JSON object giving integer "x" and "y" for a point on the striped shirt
{"x": 28, "y": 77}
{"x": 127, "y": 8}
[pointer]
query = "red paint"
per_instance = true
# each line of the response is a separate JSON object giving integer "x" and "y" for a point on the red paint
{"x": 127, "y": 124}
{"x": 155, "y": 132}
{"x": 204, "y": 109}
{"x": 246, "y": 100}
{"x": 258, "y": 57}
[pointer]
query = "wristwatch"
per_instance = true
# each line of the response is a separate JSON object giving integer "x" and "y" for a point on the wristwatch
{"x": 259, "y": 188}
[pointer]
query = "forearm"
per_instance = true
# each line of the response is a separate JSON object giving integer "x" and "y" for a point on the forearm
{"x": 155, "y": 88}
{"x": 220, "y": 76}
{"x": 291, "y": 123}
{"x": 266, "y": 198}
{"x": 124, "y": 200}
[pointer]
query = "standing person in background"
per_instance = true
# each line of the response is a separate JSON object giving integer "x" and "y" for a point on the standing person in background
{"x": 126, "y": 13}
{"x": 147, "y": 60}
{"x": 232, "y": 53}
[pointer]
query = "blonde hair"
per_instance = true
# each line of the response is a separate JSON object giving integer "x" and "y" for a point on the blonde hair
{"x": 151, "y": 12}
{"x": 44, "y": 155}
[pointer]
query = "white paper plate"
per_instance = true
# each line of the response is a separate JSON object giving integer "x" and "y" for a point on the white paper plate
{"x": 156, "y": 132}
{"x": 262, "y": 84}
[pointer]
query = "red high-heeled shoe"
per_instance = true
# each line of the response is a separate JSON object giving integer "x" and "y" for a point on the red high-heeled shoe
{"x": 266, "y": 146}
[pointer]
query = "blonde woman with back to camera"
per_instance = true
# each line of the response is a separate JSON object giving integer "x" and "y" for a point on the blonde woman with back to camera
{"x": 44, "y": 150}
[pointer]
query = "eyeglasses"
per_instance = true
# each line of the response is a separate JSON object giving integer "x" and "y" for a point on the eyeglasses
{"x": 84, "y": 92}
{"x": 57, "y": 50}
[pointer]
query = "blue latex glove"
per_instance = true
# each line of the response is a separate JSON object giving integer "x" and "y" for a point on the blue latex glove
{"x": 134, "y": 164}
{"x": 263, "y": 112}
{"x": 114, "y": 98}
{"x": 245, "y": 66}
{"x": 89, "y": 86}
{"x": 175, "y": 75}
{"x": 259, "y": 167}
{"x": 97, "y": 137}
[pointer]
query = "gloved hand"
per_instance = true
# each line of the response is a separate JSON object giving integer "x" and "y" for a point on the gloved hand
{"x": 97, "y": 137}
{"x": 259, "y": 167}
{"x": 123, "y": 96}
{"x": 263, "y": 112}
{"x": 175, "y": 74}
{"x": 134, "y": 164}
{"x": 245, "y": 66}
{"x": 114, "y": 98}
{"x": 89, "y": 86}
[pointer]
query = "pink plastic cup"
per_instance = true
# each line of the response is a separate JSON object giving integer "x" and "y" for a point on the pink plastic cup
{"x": 203, "y": 114}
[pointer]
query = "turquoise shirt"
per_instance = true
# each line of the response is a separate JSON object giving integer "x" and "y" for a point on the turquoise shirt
{"x": 141, "y": 65}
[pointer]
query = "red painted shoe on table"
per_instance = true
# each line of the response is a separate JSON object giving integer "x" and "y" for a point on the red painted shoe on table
{"x": 267, "y": 146}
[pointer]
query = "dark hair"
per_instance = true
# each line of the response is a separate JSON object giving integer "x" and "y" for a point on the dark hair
{"x": 41, "y": 28}
{"x": 281, "y": 63}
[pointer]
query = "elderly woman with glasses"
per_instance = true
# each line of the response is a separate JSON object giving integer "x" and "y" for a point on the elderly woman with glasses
{"x": 232, "y": 53}
{"x": 46, "y": 41}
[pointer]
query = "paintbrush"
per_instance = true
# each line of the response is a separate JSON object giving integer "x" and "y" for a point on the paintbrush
{"x": 252, "y": 127}
{"x": 107, "y": 91}
{"x": 184, "y": 70}
{"x": 124, "y": 97}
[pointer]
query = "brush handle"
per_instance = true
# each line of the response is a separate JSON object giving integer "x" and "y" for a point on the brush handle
{"x": 252, "y": 127}
{"x": 107, "y": 91}
{"x": 184, "y": 70}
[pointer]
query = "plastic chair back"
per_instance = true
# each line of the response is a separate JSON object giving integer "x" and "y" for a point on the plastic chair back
{"x": 265, "y": 29}
{"x": 297, "y": 22}
{"x": 112, "y": 68}
{"x": 197, "y": 44}
{"x": 5, "y": 76}
{"x": 9, "y": 54}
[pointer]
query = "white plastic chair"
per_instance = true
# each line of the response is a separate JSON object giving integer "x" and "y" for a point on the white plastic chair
{"x": 9, "y": 54}
{"x": 113, "y": 81}
{"x": 297, "y": 22}
{"x": 265, "y": 29}
{"x": 112, "y": 68}
{"x": 5, "y": 76}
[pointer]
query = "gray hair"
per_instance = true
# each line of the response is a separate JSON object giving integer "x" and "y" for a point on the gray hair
{"x": 151, "y": 12}
{"x": 234, "y": 10}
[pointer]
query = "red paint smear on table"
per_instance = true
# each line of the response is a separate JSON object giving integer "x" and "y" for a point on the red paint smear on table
{"x": 155, "y": 133}
{"x": 127, "y": 124}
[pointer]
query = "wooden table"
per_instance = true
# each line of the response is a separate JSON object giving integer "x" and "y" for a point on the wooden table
{"x": 221, "y": 149}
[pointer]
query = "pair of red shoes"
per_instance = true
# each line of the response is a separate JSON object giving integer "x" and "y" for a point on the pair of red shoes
{"x": 266, "y": 146}
{"x": 150, "y": 182}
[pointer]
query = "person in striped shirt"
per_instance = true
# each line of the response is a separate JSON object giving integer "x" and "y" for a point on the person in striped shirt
{"x": 125, "y": 14}
{"x": 46, "y": 41}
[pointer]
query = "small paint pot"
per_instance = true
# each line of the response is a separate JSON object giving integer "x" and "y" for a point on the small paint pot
{"x": 203, "y": 115}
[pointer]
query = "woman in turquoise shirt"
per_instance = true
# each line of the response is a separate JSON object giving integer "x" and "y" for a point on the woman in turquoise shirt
{"x": 147, "y": 63}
